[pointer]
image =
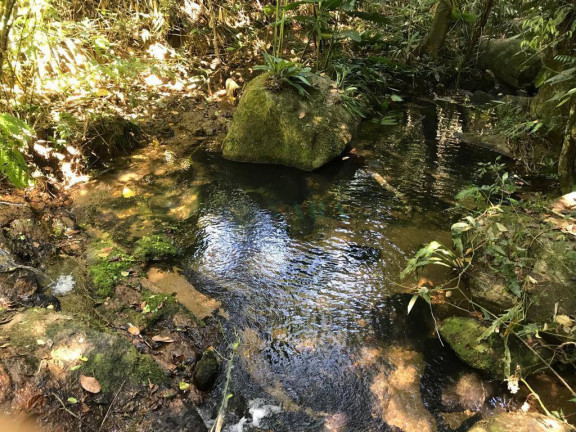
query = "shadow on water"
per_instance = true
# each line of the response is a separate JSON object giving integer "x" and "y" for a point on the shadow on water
{"x": 306, "y": 265}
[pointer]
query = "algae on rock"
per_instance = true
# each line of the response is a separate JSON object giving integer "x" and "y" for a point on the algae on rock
{"x": 283, "y": 127}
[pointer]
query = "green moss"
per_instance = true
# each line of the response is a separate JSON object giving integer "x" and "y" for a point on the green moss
{"x": 119, "y": 362}
{"x": 155, "y": 247}
{"x": 206, "y": 371}
{"x": 463, "y": 335}
{"x": 108, "y": 265}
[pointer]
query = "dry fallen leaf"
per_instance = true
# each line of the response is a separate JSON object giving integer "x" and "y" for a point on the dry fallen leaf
{"x": 164, "y": 339}
{"x": 133, "y": 330}
{"x": 90, "y": 384}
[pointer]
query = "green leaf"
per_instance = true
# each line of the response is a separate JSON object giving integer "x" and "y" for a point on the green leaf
{"x": 72, "y": 400}
{"x": 183, "y": 385}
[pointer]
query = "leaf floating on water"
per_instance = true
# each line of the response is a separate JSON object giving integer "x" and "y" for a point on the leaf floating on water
{"x": 163, "y": 339}
{"x": 133, "y": 330}
{"x": 90, "y": 384}
{"x": 128, "y": 193}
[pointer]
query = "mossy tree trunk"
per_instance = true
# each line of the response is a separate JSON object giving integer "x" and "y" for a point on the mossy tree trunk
{"x": 567, "y": 162}
{"x": 436, "y": 37}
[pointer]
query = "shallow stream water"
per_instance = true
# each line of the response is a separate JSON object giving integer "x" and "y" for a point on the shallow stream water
{"x": 306, "y": 267}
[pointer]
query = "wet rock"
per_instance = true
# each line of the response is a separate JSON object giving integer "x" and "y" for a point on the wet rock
{"x": 469, "y": 393}
{"x": 282, "y": 127}
{"x": 463, "y": 335}
{"x": 42, "y": 300}
{"x": 18, "y": 285}
{"x": 520, "y": 422}
{"x": 398, "y": 392}
{"x": 206, "y": 371}
{"x": 509, "y": 61}
{"x": 29, "y": 240}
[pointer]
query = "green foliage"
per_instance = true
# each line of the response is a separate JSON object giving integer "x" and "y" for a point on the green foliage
{"x": 15, "y": 135}
{"x": 433, "y": 253}
{"x": 285, "y": 71}
{"x": 498, "y": 192}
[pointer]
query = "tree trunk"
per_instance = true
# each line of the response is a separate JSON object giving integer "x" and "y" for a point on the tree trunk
{"x": 488, "y": 5}
{"x": 6, "y": 9}
{"x": 436, "y": 37}
{"x": 567, "y": 161}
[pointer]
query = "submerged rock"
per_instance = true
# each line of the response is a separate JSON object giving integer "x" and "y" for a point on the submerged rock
{"x": 283, "y": 127}
{"x": 463, "y": 335}
{"x": 509, "y": 61}
{"x": 206, "y": 371}
{"x": 520, "y": 422}
{"x": 397, "y": 392}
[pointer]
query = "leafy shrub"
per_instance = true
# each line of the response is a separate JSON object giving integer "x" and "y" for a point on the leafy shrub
{"x": 15, "y": 134}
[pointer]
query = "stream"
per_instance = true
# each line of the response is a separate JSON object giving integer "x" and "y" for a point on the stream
{"x": 306, "y": 265}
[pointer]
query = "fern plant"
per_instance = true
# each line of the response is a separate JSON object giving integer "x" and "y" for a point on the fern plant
{"x": 14, "y": 135}
{"x": 285, "y": 71}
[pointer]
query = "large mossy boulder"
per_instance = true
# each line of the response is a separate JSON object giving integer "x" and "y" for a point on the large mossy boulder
{"x": 280, "y": 126}
{"x": 520, "y": 422}
{"x": 464, "y": 336}
{"x": 510, "y": 63}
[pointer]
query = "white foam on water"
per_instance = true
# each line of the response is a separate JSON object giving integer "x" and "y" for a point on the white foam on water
{"x": 63, "y": 285}
{"x": 259, "y": 410}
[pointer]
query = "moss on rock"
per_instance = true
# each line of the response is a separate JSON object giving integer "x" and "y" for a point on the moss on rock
{"x": 283, "y": 127}
{"x": 206, "y": 371}
{"x": 107, "y": 266}
{"x": 71, "y": 347}
{"x": 463, "y": 335}
{"x": 155, "y": 247}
